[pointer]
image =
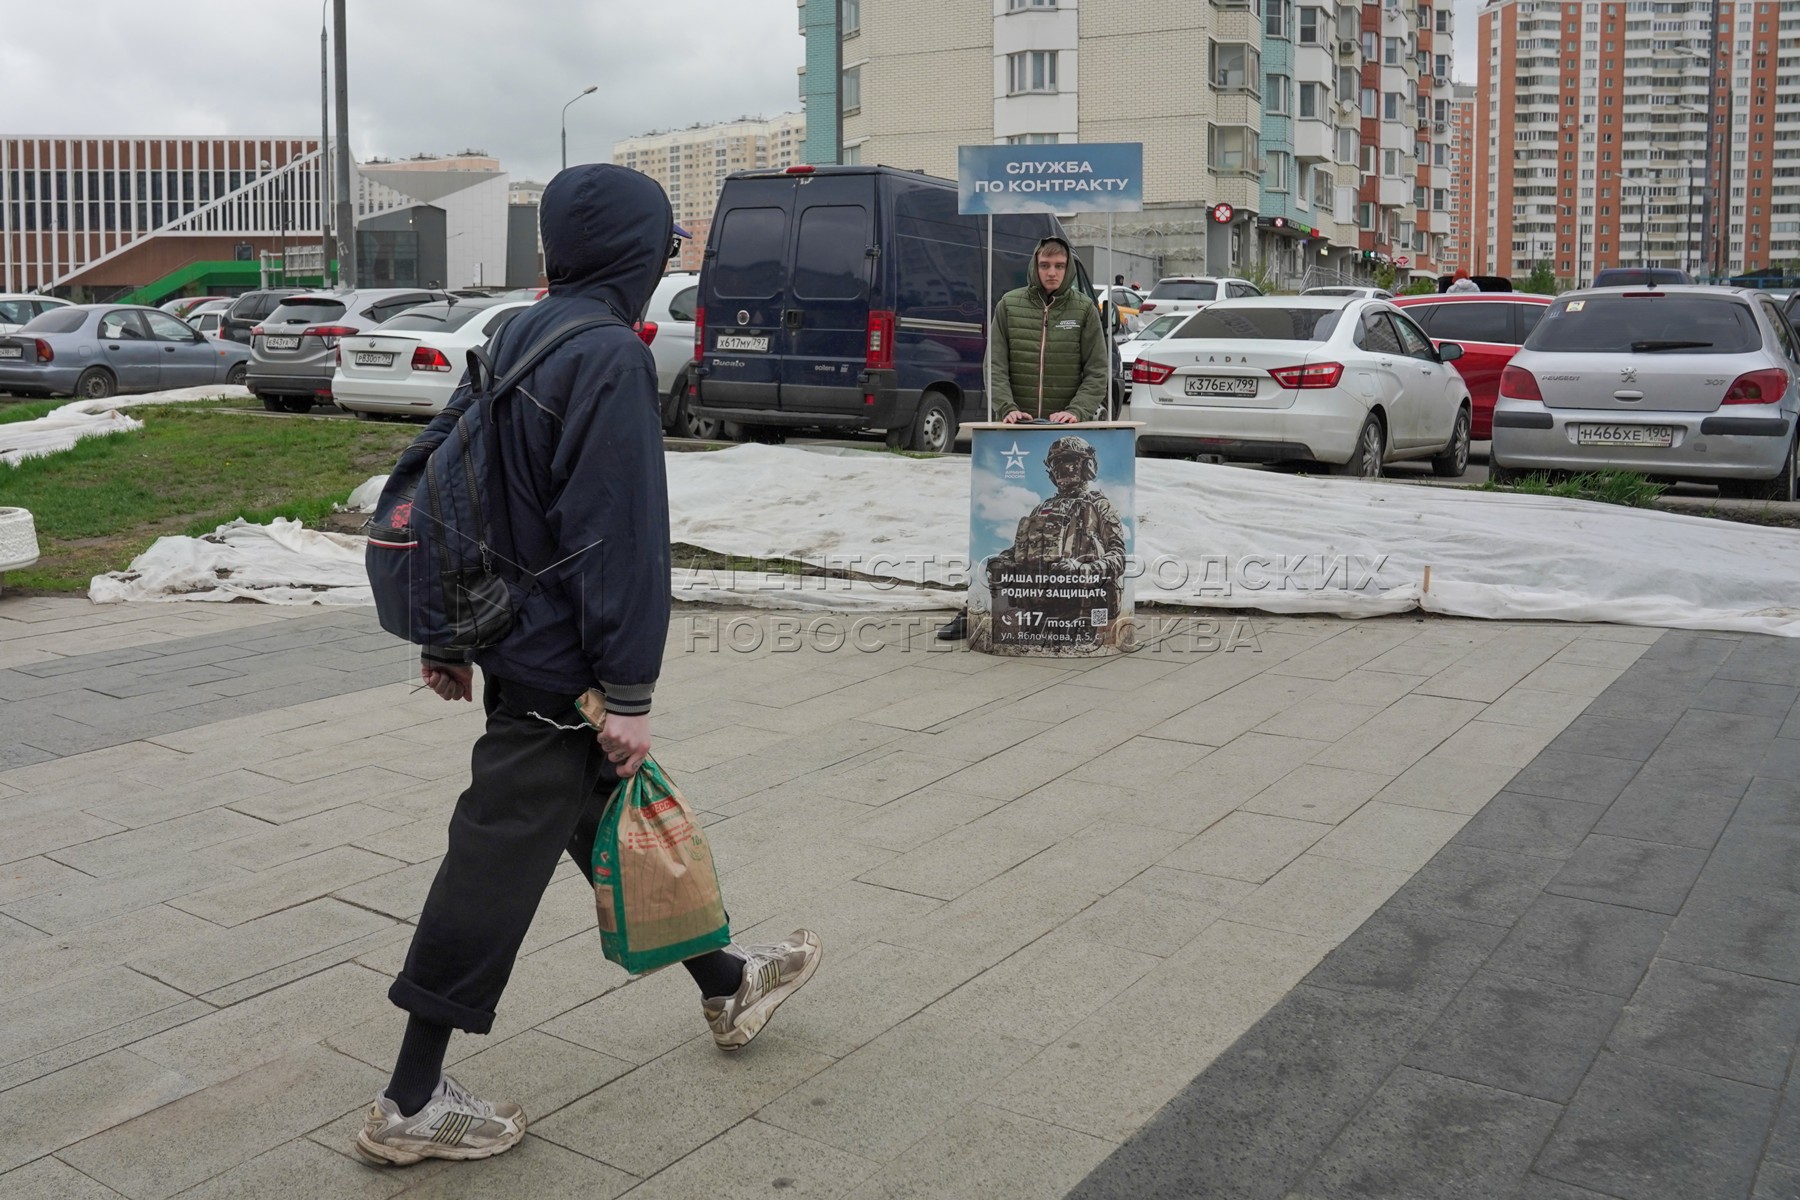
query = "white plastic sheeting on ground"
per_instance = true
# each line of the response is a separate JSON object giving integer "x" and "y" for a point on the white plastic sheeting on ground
{"x": 279, "y": 563}
{"x": 61, "y": 428}
{"x": 1207, "y": 536}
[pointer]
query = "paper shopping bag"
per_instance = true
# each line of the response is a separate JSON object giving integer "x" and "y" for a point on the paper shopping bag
{"x": 655, "y": 888}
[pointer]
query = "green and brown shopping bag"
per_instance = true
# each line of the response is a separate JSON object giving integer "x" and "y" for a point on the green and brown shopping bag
{"x": 655, "y": 888}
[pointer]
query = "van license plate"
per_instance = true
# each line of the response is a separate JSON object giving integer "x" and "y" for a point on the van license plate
{"x": 733, "y": 341}
{"x": 1625, "y": 435}
{"x": 1220, "y": 385}
{"x": 281, "y": 343}
{"x": 365, "y": 358}
{"x": 12, "y": 352}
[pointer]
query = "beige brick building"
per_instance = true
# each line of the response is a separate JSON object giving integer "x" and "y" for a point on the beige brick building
{"x": 691, "y": 164}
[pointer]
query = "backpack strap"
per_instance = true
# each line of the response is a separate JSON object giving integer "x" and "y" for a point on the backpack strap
{"x": 485, "y": 379}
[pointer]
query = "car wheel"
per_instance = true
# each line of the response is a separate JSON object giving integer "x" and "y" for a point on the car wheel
{"x": 765, "y": 435}
{"x": 237, "y": 374}
{"x": 1502, "y": 476}
{"x": 299, "y": 404}
{"x": 1784, "y": 487}
{"x": 1365, "y": 460}
{"x": 709, "y": 429}
{"x": 1455, "y": 458}
{"x": 96, "y": 383}
{"x": 934, "y": 428}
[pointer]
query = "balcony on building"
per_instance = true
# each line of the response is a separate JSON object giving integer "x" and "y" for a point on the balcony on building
{"x": 1314, "y": 140}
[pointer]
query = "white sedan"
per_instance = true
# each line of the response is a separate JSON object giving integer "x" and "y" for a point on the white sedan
{"x": 1348, "y": 382}
{"x": 412, "y": 363}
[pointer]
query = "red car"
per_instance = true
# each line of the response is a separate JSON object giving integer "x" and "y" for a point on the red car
{"x": 1489, "y": 326}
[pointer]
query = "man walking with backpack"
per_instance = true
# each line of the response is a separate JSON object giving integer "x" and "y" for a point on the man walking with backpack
{"x": 583, "y": 499}
{"x": 1049, "y": 357}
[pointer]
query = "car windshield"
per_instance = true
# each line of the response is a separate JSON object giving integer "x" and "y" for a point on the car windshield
{"x": 308, "y": 310}
{"x": 1647, "y": 323}
{"x": 15, "y": 312}
{"x": 1181, "y": 289}
{"x": 435, "y": 316}
{"x": 57, "y": 320}
{"x": 1275, "y": 324}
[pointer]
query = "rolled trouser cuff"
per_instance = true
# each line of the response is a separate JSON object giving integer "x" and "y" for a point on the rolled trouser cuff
{"x": 432, "y": 1007}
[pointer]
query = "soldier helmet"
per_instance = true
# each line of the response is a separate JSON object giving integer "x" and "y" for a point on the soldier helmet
{"x": 1072, "y": 447}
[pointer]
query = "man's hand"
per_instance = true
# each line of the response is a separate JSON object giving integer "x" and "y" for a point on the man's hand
{"x": 452, "y": 683}
{"x": 626, "y": 741}
{"x": 1064, "y": 418}
{"x": 1015, "y": 417}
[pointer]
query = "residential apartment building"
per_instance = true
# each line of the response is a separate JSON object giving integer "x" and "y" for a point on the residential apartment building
{"x": 1234, "y": 120}
{"x": 107, "y": 214}
{"x": 692, "y": 163}
{"x": 1638, "y": 132}
{"x": 1403, "y": 174}
{"x": 1458, "y": 246}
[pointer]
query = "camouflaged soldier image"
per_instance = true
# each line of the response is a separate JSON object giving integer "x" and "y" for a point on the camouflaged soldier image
{"x": 1077, "y": 531}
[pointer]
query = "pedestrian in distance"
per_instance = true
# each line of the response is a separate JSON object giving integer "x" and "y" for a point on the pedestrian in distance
{"x": 1049, "y": 357}
{"x": 582, "y": 487}
{"x": 1462, "y": 283}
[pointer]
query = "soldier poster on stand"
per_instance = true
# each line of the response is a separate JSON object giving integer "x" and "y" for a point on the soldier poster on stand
{"x": 1051, "y": 527}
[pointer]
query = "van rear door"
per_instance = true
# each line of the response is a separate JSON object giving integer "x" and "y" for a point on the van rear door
{"x": 744, "y": 290}
{"x": 826, "y": 321}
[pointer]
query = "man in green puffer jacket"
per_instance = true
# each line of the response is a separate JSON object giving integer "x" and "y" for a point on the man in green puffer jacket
{"x": 1048, "y": 355}
{"x": 1048, "y": 351}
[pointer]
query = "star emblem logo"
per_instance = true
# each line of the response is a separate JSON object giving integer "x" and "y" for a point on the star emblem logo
{"x": 1015, "y": 457}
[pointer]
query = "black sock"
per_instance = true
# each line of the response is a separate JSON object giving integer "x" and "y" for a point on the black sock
{"x": 420, "y": 1065}
{"x": 718, "y": 973}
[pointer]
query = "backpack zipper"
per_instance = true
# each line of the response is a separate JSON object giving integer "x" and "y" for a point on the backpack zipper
{"x": 468, "y": 460}
{"x": 1043, "y": 344}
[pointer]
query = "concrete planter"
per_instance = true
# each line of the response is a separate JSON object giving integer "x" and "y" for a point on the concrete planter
{"x": 18, "y": 540}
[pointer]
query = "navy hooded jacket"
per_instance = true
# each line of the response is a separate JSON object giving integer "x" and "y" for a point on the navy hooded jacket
{"x": 580, "y": 441}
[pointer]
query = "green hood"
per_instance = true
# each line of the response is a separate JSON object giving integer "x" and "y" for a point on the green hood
{"x": 1068, "y": 282}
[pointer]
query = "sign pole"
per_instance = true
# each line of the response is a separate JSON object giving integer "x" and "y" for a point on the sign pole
{"x": 1109, "y": 254}
{"x": 987, "y": 356}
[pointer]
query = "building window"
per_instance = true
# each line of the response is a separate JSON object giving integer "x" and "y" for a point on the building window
{"x": 1309, "y": 100}
{"x": 1390, "y": 52}
{"x": 1365, "y": 216}
{"x": 1031, "y": 71}
{"x": 1371, "y": 46}
{"x": 1277, "y": 178}
{"x": 850, "y": 90}
{"x": 1312, "y": 27}
{"x": 1276, "y": 90}
{"x": 1033, "y": 139}
{"x": 1324, "y": 187}
{"x": 1390, "y": 106}
{"x": 1022, "y": 5}
{"x": 852, "y": 156}
{"x": 1236, "y": 66}
{"x": 1232, "y": 149}
{"x": 1275, "y": 20}
{"x": 849, "y": 17}
{"x": 1390, "y": 163}
{"x": 1371, "y": 102}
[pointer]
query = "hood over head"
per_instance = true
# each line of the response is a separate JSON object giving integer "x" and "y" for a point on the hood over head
{"x": 1068, "y": 276}
{"x": 606, "y": 233}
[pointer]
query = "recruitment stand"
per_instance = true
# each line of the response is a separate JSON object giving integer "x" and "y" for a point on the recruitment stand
{"x": 1052, "y": 524}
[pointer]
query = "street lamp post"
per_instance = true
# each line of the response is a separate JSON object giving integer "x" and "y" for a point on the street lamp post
{"x": 589, "y": 90}
{"x": 324, "y": 154}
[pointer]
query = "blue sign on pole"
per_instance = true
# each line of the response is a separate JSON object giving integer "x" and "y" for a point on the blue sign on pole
{"x": 1072, "y": 177}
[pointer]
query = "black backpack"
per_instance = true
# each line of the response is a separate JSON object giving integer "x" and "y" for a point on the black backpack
{"x": 442, "y": 575}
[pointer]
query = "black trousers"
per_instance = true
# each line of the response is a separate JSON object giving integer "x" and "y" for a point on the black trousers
{"x": 536, "y": 792}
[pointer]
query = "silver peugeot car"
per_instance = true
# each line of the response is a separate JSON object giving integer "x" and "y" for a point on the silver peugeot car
{"x": 294, "y": 350}
{"x": 1679, "y": 383}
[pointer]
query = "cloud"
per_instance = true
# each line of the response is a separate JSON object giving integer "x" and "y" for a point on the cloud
{"x": 435, "y": 76}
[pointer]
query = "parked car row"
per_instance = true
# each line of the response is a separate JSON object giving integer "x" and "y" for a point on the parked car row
{"x": 98, "y": 350}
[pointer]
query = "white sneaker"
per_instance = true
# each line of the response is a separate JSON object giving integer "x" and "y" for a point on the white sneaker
{"x": 771, "y": 975}
{"x": 453, "y": 1124}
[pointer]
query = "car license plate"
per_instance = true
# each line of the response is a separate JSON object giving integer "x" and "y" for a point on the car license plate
{"x": 281, "y": 343}
{"x": 366, "y": 358}
{"x": 1221, "y": 385}
{"x": 12, "y": 352}
{"x": 734, "y": 341}
{"x": 1625, "y": 435}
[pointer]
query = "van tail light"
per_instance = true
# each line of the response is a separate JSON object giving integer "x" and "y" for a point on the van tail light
{"x": 44, "y": 352}
{"x": 1312, "y": 375}
{"x": 699, "y": 332}
{"x": 801, "y": 169}
{"x": 427, "y": 358}
{"x": 1520, "y": 384}
{"x": 646, "y": 331}
{"x": 329, "y": 334}
{"x": 1146, "y": 306}
{"x": 880, "y": 353}
{"x": 1145, "y": 371}
{"x": 1758, "y": 387}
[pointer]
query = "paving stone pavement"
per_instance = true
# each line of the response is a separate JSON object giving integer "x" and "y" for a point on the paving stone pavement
{"x": 1052, "y": 895}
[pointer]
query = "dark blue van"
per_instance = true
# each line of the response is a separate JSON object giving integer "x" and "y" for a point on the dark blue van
{"x": 850, "y": 298}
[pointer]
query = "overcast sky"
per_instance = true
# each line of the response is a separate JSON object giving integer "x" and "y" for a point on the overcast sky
{"x": 425, "y": 75}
